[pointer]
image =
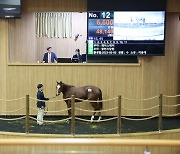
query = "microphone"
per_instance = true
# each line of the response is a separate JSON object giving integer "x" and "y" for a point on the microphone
{"x": 77, "y": 36}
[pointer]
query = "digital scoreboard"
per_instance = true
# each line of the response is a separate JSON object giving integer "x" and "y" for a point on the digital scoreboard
{"x": 126, "y": 33}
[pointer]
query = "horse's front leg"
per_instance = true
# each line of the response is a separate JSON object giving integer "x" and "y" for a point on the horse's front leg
{"x": 68, "y": 103}
{"x": 92, "y": 117}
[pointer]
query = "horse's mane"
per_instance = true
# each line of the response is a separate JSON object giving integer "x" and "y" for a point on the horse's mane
{"x": 67, "y": 85}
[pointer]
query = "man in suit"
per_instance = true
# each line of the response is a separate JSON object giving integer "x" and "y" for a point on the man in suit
{"x": 77, "y": 58}
{"x": 49, "y": 56}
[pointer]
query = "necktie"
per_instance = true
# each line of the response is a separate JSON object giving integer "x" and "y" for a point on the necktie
{"x": 49, "y": 57}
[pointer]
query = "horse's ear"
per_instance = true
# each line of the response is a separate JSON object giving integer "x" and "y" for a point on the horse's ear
{"x": 57, "y": 82}
{"x": 60, "y": 82}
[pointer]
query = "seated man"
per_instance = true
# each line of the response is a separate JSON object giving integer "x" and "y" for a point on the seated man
{"x": 77, "y": 58}
{"x": 49, "y": 56}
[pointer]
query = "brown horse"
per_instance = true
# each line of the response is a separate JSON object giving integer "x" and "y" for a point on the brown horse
{"x": 90, "y": 93}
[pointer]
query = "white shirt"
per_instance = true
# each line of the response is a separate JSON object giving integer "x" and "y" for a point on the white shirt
{"x": 49, "y": 57}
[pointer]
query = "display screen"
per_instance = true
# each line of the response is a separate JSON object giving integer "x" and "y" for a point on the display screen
{"x": 10, "y": 9}
{"x": 126, "y": 33}
{"x": 122, "y": 30}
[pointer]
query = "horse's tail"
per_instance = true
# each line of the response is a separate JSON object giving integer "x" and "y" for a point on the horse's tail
{"x": 100, "y": 98}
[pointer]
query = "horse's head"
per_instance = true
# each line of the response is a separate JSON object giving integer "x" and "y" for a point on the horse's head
{"x": 59, "y": 88}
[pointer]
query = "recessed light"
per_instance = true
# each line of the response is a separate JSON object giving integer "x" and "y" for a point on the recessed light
{"x": 8, "y": 9}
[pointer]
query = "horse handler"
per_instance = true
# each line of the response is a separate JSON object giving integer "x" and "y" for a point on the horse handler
{"x": 40, "y": 104}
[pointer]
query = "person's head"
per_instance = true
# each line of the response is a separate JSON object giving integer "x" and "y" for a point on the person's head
{"x": 49, "y": 49}
{"x": 40, "y": 87}
{"x": 77, "y": 51}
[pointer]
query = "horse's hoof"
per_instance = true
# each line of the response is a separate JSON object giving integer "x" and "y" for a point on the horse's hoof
{"x": 99, "y": 119}
{"x": 92, "y": 118}
{"x": 68, "y": 121}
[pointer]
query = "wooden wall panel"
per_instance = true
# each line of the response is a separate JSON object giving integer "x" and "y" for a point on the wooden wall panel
{"x": 57, "y": 5}
{"x": 86, "y": 149}
{"x": 3, "y": 60}
{"x": 117, "y": 78}
{"x": 173, "y": 6}
{"x": 161, "y": 74}
{"x": 77, "y": 5}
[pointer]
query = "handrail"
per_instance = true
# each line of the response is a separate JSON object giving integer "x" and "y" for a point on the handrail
{"x": 16, "y": 99}
{"x": 130, "y": 99}
{"x": 118, "y": 117}
{"x": 73, "y": 64}
{"x": 89, "y": 141}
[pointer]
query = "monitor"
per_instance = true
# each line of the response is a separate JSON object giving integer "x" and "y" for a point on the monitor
{"x": 10, "y": 8}
{"x": 75, "y": 60}
{"x": 83, "y": 57}
{"x": 64, "y": 60}
{"x": 126, "y": 28}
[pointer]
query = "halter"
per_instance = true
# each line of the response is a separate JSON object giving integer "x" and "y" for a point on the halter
{"x": 59, "y": 86}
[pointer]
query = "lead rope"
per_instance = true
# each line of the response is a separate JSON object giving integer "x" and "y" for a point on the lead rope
{"x": 47, "y": 106}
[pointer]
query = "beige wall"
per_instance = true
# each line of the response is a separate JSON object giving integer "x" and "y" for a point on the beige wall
{"x": 152, "y": 76}
{"x": 22, "y": 40}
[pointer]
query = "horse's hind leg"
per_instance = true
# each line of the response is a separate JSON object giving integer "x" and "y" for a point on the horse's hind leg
{"x": 99, "y": 116}
{"x": 93, "y": 104}
{"x": 92, "y": 117}
{"x": 96, "y": 108}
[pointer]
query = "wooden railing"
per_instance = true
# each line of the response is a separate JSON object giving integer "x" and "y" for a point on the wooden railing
{"x": 89, "y": 146}
{"x": 91, "y": 141}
